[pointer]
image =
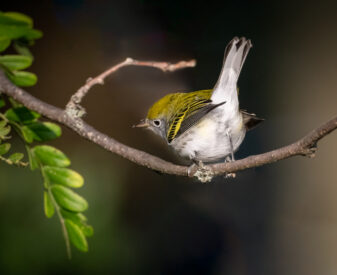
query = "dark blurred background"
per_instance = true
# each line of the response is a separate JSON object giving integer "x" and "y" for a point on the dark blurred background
{"x": 276, "y": 219}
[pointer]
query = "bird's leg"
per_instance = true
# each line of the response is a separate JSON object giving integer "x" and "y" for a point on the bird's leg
{"x": 228, "y": 133}
{"x": 231, "y": 157}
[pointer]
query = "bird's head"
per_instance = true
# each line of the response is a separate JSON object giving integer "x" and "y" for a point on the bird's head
{"x": 159, "y": 115}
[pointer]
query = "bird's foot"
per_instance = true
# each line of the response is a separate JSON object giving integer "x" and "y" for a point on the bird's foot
{"x": 229, "y": 174}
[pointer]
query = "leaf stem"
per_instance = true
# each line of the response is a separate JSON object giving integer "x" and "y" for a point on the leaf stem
{"x": 58, "y": 211}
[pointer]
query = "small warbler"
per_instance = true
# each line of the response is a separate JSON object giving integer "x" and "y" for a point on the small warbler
{"x": 206, "y": 125}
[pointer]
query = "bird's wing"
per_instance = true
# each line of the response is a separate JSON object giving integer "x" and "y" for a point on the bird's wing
{"x": 188, "y": 116}
{"x": 226, "y": 86}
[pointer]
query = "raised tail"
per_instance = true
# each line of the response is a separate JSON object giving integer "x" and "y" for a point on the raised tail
{"x": 226, "y": 87}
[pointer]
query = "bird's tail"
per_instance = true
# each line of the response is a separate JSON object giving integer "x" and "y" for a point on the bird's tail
{"x": 226, "y": 87}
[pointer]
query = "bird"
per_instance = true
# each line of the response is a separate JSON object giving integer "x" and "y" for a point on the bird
{"x": 206, "y": 126}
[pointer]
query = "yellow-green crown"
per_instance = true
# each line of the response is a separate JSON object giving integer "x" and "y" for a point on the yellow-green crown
{"x": 161, "y": 107}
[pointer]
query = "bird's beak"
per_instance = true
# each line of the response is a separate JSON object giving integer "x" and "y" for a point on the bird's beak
{"x": 142, "y": 124}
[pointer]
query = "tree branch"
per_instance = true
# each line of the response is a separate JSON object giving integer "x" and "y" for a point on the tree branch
{"x": 306, "y": 146}
{"x": 73, "y": 107}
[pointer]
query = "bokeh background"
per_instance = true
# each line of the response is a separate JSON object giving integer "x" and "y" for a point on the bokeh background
{"x": 276, "y": 219}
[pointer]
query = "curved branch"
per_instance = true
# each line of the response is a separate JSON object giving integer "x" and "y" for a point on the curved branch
{"x": 305, "y": 146}
{"x": 74, "y": 108}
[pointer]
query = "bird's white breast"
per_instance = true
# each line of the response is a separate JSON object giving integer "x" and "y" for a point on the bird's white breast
{"x": 208, "y": 141}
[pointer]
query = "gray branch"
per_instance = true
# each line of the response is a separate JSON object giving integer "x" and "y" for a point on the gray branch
{"x": 74, "y": 109}
{"x": 305, "y": 146}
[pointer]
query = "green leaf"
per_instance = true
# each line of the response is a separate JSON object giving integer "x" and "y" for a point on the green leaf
{"x": 76, "y": 236}
{"x": 82, "y": 217}
{"x": 2, "y": 102}
{"x": 54, "y": 128}
{"x": 63, "y": 176}
{"x": 14, "y": 31}
{"x": 44, "y": 131}
{"x": 4, "y": 43}
{"x": 19, "y": 17}
{"x": 15, "y": 25}
{"x": 22, "y": 115}
{"x": 88, "y": 230}
{"x": 80, "y": 220}
{"x": 73, "y": 216}
{"x": 4, "y": 148}
{"x": 15, "y": 61}
{"x": 48, "y": 155}
{"x": 33, "y": 162}
{"x": 48, "y": 205}
{"x": 27, "y": 134}
{"x": 33, "y": 34}
{"x": 68, "y": 199}
{"x": 21, "y": 48}
{"x": 10, "y": 19}
{"x": 4, "y": 132}
{"x": 3, "y": 123}
{"x": 22, "y": 78}
{"x": 41, "y": 131}
{"x": 16, "y": 157}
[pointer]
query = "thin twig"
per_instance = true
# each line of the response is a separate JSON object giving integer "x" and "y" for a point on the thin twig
{"x": 305, "y": 146}
{"x": 74, "y": 109}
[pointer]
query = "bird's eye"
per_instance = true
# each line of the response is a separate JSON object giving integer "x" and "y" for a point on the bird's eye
{"x": 156, "y": 122}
